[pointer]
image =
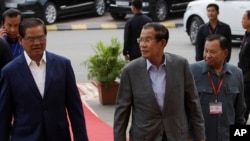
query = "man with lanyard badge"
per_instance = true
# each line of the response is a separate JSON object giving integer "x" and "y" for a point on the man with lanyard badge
{"x": 221, "y": 90}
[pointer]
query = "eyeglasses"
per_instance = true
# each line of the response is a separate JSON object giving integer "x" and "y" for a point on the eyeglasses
{"x": 147, "y": 41}
{"x": 32, "y": 39}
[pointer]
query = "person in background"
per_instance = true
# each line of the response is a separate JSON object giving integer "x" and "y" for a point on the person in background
{"x": 132, "y": 31}
{"x": 244, "y": 59}
{"x": 2, "y": 8}
{"x": 221, "y": 89}
{"x": 159, "y": 91}
{"x": 214, "y": 26}
{"x": 43, "y": 95}
{"x": 5, "y": 54}
{"x": 11, "y": 19}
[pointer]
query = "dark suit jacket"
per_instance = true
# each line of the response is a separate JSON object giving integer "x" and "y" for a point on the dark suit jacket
{"x": 5, "y": 53}
{"x": 181, "y": 103}
{"x": 204, "y": 31}
{"x": 34, "y": 116}
{"x": 131, "y": 32}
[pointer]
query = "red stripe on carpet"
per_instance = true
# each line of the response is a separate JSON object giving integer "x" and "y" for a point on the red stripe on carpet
{"x": 97, "y": 130}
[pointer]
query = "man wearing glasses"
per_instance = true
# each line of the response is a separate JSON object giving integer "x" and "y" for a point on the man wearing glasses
{"x": 41, "y": 94}
{"x": 159, "y": 90}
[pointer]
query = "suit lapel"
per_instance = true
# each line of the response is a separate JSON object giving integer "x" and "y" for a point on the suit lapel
{"x": 145, "y": 78}
{"x": 49, "y": 72}
{"x": 170, "y": 77}
{"x": 25, "y": 72}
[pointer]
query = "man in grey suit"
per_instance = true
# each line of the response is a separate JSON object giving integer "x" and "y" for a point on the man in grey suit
{"x": 159, "y": 90}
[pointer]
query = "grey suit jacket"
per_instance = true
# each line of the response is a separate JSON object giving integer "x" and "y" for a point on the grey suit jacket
{"x": 181, "y": 103}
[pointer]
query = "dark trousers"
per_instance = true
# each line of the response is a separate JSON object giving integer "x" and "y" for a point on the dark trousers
{"x": 247, "y": 98}
{"x": 164, "y": 137}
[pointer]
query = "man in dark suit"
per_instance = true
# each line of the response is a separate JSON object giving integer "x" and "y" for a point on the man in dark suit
{"x": 2, "y": 8}
{"x": 38, "y": 89}
{"x": 159, "y": 89}
{"x": 244, "y": 60}
{"x": 132, "y": 31}
{"x": 5, "y": 54}
{"x": 214, "y": 26}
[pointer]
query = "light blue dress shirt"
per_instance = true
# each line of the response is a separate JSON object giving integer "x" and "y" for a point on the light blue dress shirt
{"x": 158, "y": 81}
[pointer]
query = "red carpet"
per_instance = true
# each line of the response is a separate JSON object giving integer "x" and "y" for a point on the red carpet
{"x": 97, "y": 130}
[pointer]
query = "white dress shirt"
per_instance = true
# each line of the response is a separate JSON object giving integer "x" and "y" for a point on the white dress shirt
{"x": 38, "y": 72}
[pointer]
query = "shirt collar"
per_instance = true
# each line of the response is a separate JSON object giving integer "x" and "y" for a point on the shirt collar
{"x": 225, "y": 69}
{"x": 149, "y": 64}
{"x": 28, "y": 59}
{"x": 218, "y": 23}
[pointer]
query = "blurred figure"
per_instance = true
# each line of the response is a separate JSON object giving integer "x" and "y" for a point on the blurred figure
{"x": 5, "y": 54}
{"x": 38, "y": 88}
{"x": 244, "y": 59}
{"x": 11, "y": 19}
{"x": 214, "y": 26}
{"x": 2, "y": 9}
{"x": 220, "y": 88}
{"x": 159, "y": 89}
{"x": 132, "y": 31}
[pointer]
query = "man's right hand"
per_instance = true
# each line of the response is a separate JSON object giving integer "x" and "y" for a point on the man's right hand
{"x": 126, "y": 57}
{"x": 3, "y": 32}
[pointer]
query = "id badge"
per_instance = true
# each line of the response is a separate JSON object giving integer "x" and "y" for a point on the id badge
{"x": 215, "y": 108}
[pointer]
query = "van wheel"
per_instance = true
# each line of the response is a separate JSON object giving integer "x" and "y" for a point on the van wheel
{"x": 100, "y": 7}
{"x": 160, "y": 12}
{"x": 118, "y": 16}
{"x": 194, "y": 25}
{"x": 49, "y": 14}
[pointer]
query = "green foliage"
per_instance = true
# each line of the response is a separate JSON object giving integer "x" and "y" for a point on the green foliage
{"x": 106, "y": 65}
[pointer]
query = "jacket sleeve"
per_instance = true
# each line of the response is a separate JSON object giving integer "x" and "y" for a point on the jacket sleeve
{"x": 240, "y": 105}
{"x": 5, "y": 108}
{"x": 228, "y": 36}
{"x": 192, "y": 103}
{"x": 126, "y": 38}
{"x": 199, "y": 46}
{"x": 123, "y": 108}
{"x": 74, "y": 106}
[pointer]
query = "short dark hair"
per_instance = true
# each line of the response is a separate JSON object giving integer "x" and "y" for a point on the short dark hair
{"x": 222, "y": 40}
{"x": 248, "y": 14}
{"x": 11, "y": 13}
{"x": 213, "y": 5}
{"x": 161, "y": 30}
{"x": 137, "y": 4}
{"x": 31, "y": 22}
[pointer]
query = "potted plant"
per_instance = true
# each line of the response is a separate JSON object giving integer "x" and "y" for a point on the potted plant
{"x": 104, "y": 68}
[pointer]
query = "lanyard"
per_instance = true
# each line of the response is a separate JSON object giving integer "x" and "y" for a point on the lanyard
{"x": 244, "y": 39}
{"x": 211, "y": 32}
{"x": 216, "y": 91}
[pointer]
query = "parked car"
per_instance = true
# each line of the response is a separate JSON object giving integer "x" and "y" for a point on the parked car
{"x": 51, "y": 10}
{"x": 230, "y": 12}
{"x": 158, "y": 10}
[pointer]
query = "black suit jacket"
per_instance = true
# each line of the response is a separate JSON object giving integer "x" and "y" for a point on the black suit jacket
{"x": 131, "y": 32}
{"x": 204, "y": 31}
{"x": 5, "y": 53}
